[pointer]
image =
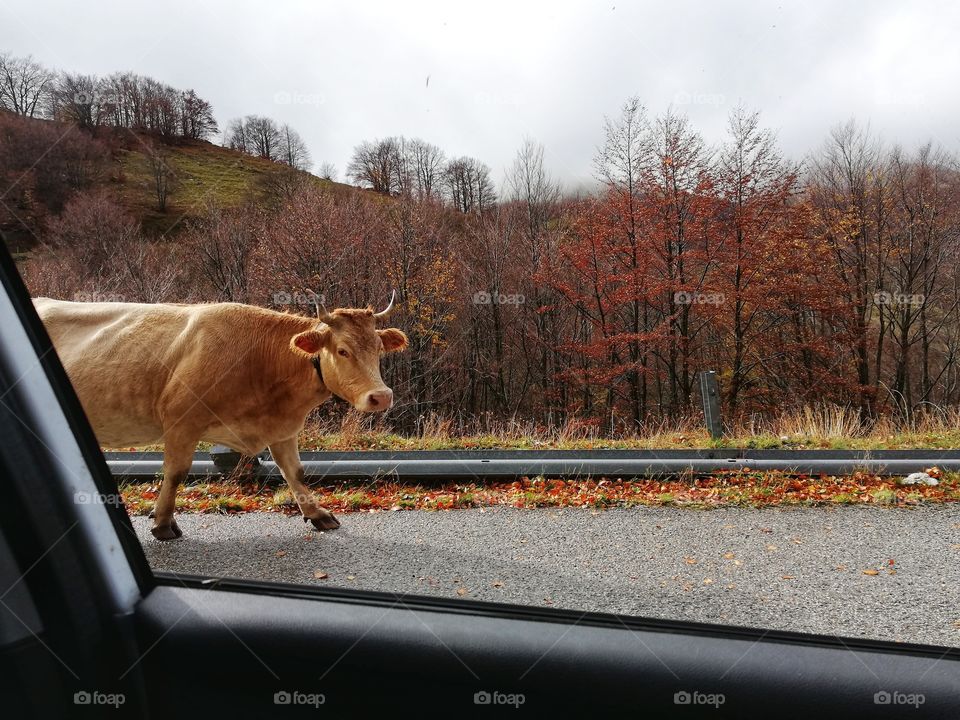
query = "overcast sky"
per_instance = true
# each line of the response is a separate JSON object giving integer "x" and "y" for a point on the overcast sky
{"x": 476, "y": 77}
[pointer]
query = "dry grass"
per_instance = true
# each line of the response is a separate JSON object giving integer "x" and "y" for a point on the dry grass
{"x": 814, "y": 427}
{"x": 817, "y": 426}
{"x": 822, "y": 422}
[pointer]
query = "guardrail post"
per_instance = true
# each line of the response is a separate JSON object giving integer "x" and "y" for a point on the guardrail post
{"x": 710, "y": 393}
{"x": 227, "y": 461}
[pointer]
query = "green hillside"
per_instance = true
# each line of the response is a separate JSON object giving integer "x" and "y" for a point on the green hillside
{"x": 44, "y": 162}
{"x": 204, "y": 173}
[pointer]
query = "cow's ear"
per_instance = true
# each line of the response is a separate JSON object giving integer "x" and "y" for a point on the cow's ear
{"x": 393, "y": 339}
{"x": 309, "y": 342}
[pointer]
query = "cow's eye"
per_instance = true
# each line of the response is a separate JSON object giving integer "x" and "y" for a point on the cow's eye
{"x": 343, "y": 353}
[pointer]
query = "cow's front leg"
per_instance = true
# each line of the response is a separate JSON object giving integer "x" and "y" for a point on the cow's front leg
{"x": 177, "y": 459}
{"x": 287, "y": 457}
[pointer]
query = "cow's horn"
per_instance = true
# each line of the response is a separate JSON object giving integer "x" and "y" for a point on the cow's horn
{"x": 386, "y": 311}
{"x": 322, "y": 314}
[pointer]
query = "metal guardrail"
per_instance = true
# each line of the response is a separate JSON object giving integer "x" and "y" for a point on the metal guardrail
{"x": 462, "y": 465}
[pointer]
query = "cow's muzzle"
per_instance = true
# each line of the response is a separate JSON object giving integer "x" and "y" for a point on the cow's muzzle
{"x": 377, "y": 400}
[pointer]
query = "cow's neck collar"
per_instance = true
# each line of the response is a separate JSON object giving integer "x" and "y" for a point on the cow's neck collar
{"x": 315, "y": 361}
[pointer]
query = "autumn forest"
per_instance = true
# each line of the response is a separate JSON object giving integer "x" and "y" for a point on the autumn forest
{"x": 829, "y": 278}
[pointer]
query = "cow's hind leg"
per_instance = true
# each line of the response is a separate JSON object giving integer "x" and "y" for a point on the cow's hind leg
{"x": 287, "y": 457}
{"x": 177, "y": 458}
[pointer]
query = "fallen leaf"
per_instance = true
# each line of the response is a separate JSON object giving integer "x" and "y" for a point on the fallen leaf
{"x": 461, "y": 591}
{"x": 871, "y": 571}
{"x": 707, "y": 581}
{"x": 351, "y": 577}
{"x": 789, "y": 577}
{"x": 320, "y": 575}
{"x": 728, "y": 556}
{"x": 497, "y": 584}
{"x": 841, "y": 567}
{"x": 766, "y": 530}
{"x": 281, "y": 553}
{"x": 772, "y": 548}
{"x": 689, "y": 560}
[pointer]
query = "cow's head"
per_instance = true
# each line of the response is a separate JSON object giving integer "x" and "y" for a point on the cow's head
{"x": 348, "y": 346}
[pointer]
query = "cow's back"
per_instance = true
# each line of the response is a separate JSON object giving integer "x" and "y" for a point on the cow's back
{"x": 119, "y": 357}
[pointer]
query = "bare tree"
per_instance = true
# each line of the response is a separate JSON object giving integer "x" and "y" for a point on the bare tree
{"x": 91, "y": 236}
{"x": 282, "y": 185}
{"x": 293, "y": 150}
{"x": 537, "y": 196}
{"x": 235, "y": 136}
{"x": 620, "y": 159}
{"x": 925, "y": 235}
{"x": 76, "y": 100}
{"x": 24, "y": 85}
{"x": 196, "y": 117}
{"x": 131, "y": 101}
{"x": 848, "y": 179}
{"x": 163, "y": 176}
{"x": 376, "y": 166}
{"x": 223, "y": 244}
{"x": 261, "y": 136}
{"x": 127, "y": 90}
{"x": 328, "y": 171}
{"x": 425, "y": 163}
{"x": 467, "y": 185}
{"x": 534, "y": 189}
{"x": 264, "y": 136}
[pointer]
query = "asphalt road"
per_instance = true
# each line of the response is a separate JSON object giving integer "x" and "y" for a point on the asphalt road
{"x": 792, "y": 569}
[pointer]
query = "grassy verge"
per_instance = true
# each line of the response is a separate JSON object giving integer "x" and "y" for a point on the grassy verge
{"x": 686, "y": 440}
{"x": 314, "y": 439}
{"x": 825, "y": 427}
{"x": 741, "y": 489}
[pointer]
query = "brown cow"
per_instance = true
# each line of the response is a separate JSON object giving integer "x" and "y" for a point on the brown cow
{"x": 238, "y": 375}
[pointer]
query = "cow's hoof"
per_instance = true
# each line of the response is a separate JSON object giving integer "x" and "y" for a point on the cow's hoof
{"x": 325, "y": 521}
{"x": 166, "y": 532}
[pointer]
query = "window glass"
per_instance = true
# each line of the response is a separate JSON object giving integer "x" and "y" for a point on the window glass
{"x": 631, "y": 309}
